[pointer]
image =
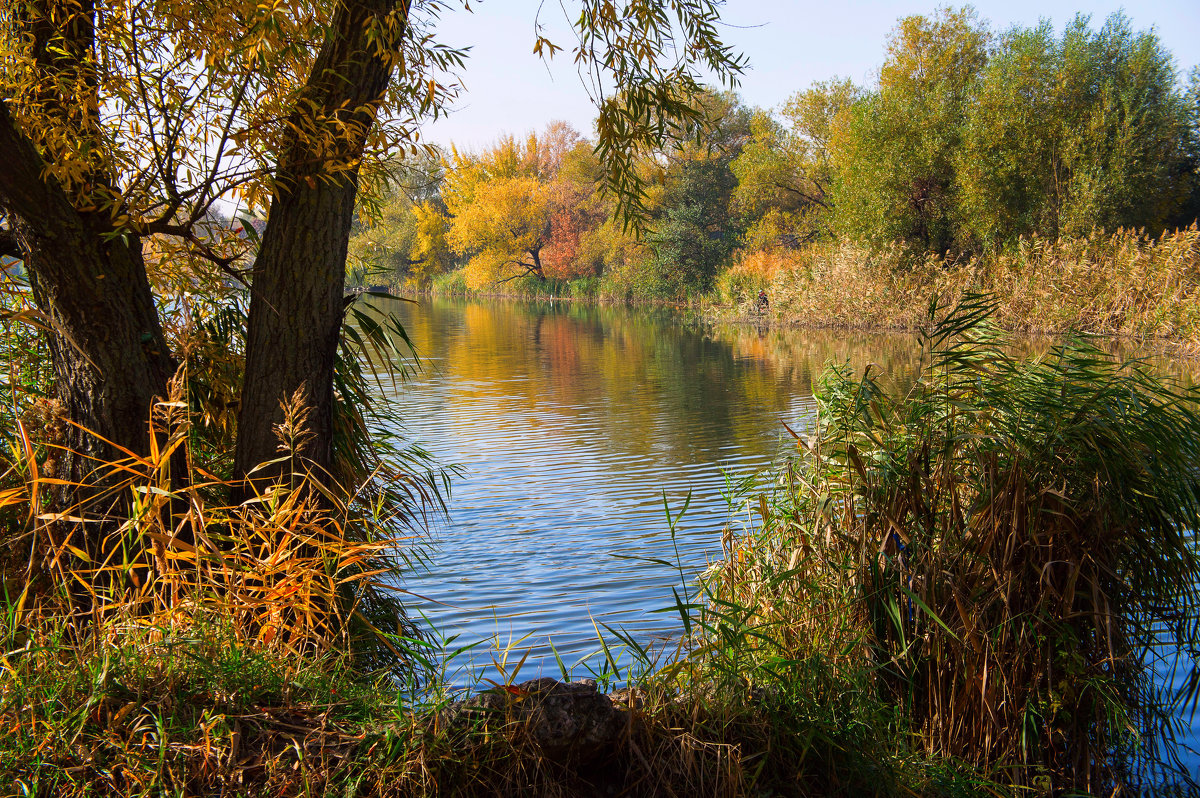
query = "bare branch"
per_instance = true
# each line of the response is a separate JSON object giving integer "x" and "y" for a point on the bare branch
{"x": 530, "y": 268}
{"x": 804, "y": 195}
{"x": 197, "y": 246}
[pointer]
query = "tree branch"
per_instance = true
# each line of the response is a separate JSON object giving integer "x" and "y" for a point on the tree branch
{"x": 802, "y": 194}
{"x": 197, "y": 246}
{"x": 529, "y": 269}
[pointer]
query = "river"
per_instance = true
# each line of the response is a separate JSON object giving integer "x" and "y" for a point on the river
{"x": 572, "y": 422}
{"x": 577, "y": 428}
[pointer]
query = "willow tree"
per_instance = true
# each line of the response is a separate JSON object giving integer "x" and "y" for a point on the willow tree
{"x": 893, "y": 152}
{"x": 1066, "y": 135}
{"x": 784, "y": 172}
{"x": 128, "y": 120}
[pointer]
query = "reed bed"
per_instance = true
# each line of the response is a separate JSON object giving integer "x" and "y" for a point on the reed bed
{"x": 1121, "y": 285}
{"x": 997, "y": 552}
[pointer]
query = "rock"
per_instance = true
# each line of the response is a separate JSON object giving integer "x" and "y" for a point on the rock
{"x": 565, "y": 721}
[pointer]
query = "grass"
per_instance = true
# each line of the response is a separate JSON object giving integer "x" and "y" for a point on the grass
{"x": 157, "y": 711}
{"x": 149, "y": 710}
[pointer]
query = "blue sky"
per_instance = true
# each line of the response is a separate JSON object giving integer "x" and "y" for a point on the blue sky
{"x": 790, "y": 45}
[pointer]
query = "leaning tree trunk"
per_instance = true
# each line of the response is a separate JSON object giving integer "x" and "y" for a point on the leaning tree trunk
{"x": 106, "y": 343}
{"x": 107, "y": 348}
{"x": 296, "y": 306}
{"x": 535, "y": 253}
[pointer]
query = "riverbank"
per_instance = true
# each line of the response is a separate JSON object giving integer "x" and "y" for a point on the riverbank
{"x": 194, "y": 714}
{"x": 1124, "y": 286}
{"x": 257, "y": 653}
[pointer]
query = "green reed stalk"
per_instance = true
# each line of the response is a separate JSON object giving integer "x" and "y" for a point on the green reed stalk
{"x": 1001, "y": 547}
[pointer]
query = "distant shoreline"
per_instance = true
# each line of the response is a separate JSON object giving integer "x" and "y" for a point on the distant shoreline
{"x": 712, "y": 312}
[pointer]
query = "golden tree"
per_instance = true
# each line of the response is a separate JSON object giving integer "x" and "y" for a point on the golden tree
{"x": 498, "y": 209}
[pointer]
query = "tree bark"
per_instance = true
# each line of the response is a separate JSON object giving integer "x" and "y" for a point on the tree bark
{"x": 109, "y": 353}
{"x": 296, "y": 308}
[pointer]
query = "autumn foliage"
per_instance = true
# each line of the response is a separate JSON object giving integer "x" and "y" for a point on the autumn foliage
{"x": 969, "y": 145}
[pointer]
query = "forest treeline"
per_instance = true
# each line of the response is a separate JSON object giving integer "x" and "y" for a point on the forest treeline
{"x": 971, "y": 144}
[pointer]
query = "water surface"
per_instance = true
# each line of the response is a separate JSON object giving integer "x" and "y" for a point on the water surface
{"x": 574, "y": 425}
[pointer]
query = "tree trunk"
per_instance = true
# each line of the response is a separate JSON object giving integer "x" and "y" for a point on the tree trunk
{"x": 535, "y": 253}
{"x": 110, "y": 357}
{"x": 296, "y": 307}
{"x": 295, "y": 321}
{"x": 107, "y": 346}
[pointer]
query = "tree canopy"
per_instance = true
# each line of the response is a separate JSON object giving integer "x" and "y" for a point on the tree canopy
{"x": 1065, "y": 135}
{"x": 971, "y": 141}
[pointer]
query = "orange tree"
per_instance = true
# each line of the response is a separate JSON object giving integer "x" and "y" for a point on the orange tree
{"x": 520, "y": 208}
{"x": 128, "y": 120}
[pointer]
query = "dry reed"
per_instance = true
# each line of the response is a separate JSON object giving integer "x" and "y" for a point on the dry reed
{"x": 998, "y": 550}
{"x": 1122, "y": 285}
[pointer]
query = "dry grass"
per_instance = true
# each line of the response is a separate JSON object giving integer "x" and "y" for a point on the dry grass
{"x": 1122, "y": 285}
{"x": 283, "y": 569}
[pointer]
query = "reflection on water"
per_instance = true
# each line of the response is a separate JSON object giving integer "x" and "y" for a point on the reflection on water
{"x": 572, "y": 422}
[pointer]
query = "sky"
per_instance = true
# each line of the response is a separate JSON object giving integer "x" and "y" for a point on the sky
{"x": 790, "y": 45}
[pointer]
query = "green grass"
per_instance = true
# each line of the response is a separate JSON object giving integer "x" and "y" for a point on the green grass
{"x": 198, "y": 710}
{"x": 525, "y": 287}
{"x": 154, "y": 711}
